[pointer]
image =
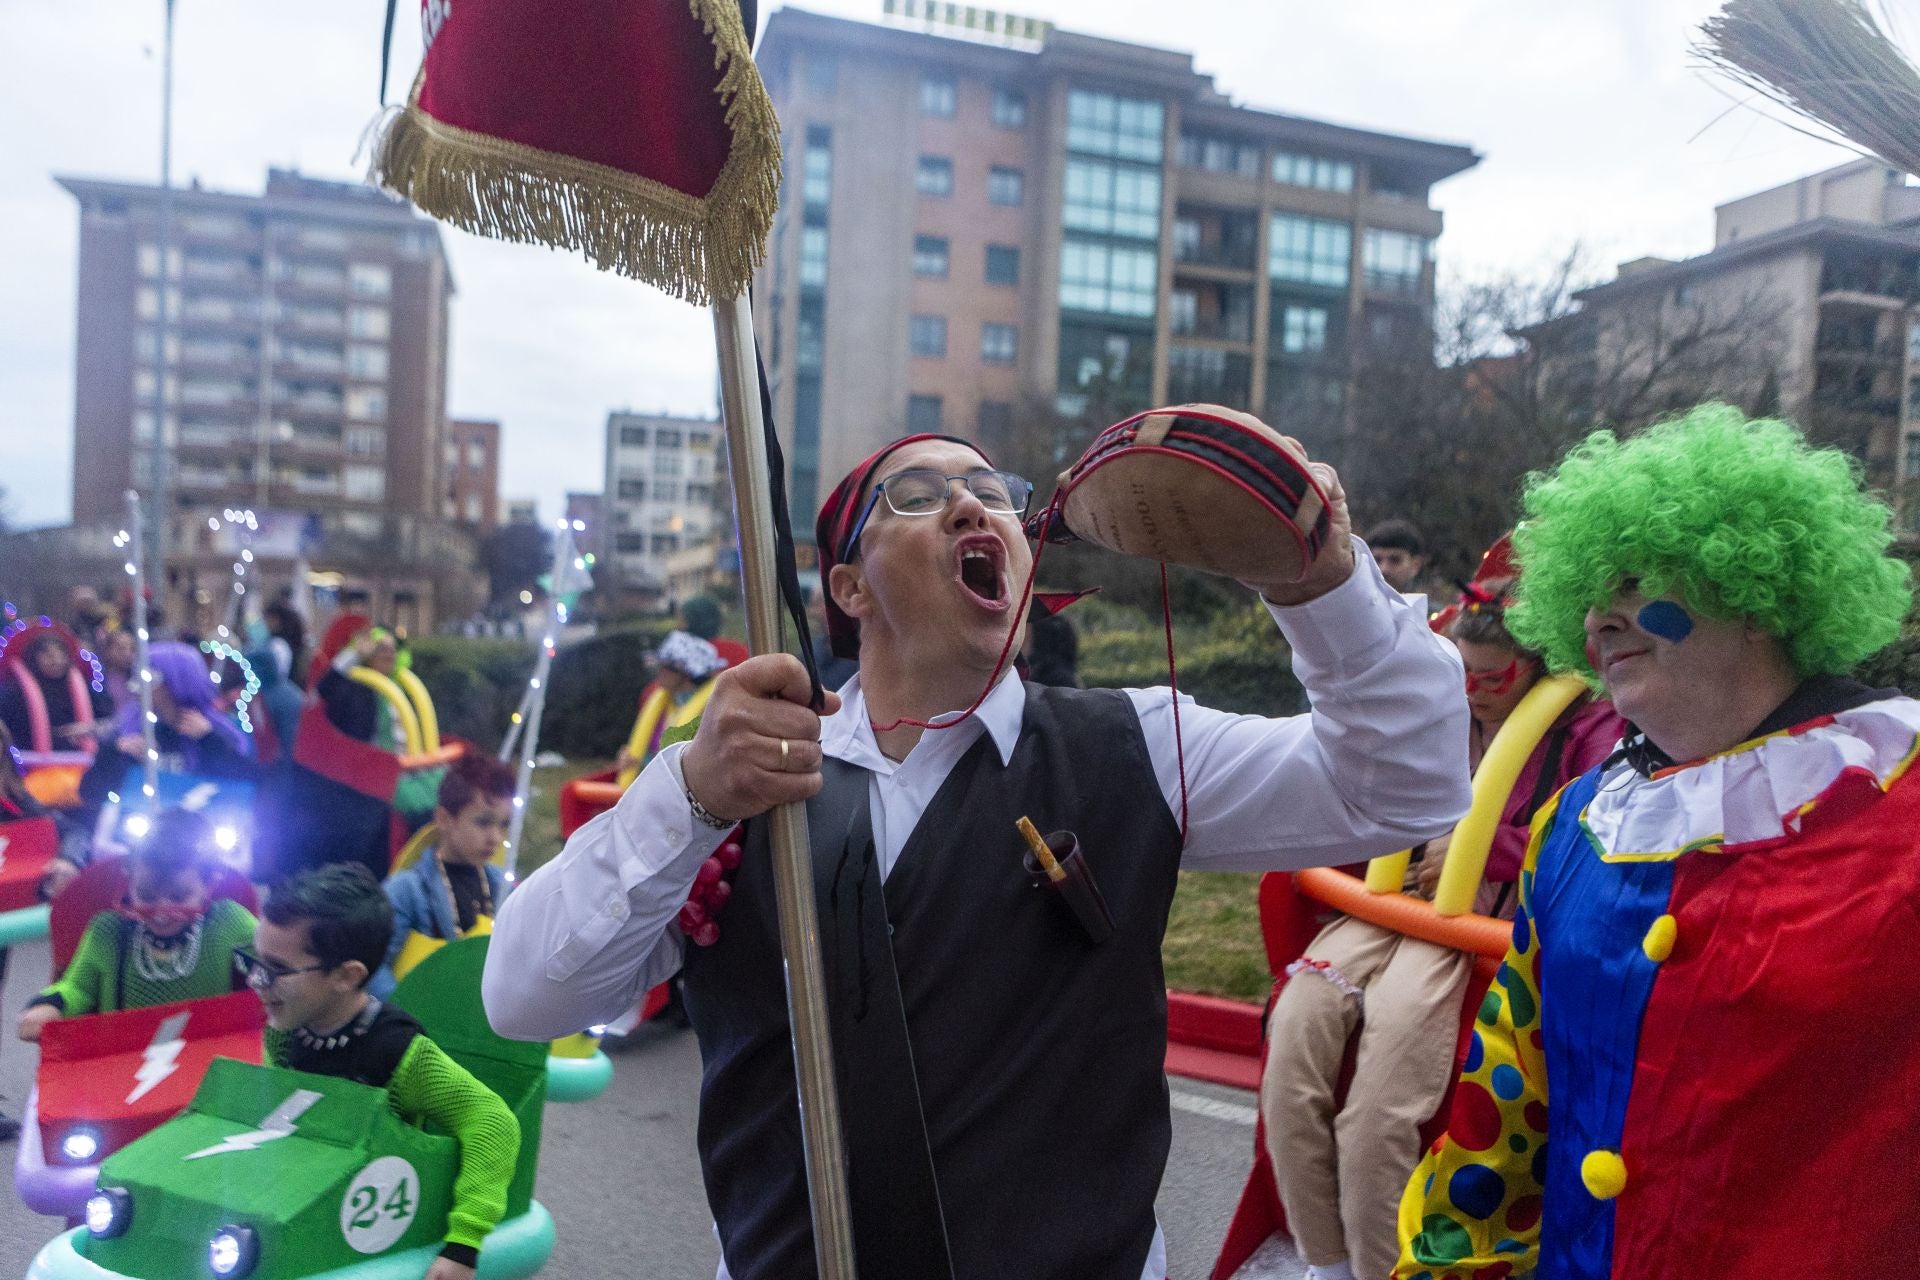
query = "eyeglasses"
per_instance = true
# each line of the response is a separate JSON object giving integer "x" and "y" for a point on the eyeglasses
{"x": 1495, "y": 682}
{"x": 262, "y": 974}
{"x": 922, "y": 491}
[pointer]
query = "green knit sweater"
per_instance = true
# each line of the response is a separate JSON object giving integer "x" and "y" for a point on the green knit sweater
{"x": 105, "y": 975}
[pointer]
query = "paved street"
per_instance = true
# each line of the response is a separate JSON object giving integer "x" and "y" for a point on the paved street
{"x": 620, "y": 1176}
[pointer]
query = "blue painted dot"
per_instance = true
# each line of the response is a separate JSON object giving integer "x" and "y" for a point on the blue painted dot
{"x": 1666, "y": 620}
{"x": 1540, "y": 1164}
{"x": 1522, "y": 932}
{"x": 1476, "y": 1053}
{"x": 1507, "y": 1081}
{"x": 1517, "y": 1143}
{"x": 1476, "y": 1191}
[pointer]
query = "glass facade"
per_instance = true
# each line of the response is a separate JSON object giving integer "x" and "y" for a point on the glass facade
{"x": 1112, "y": 199}
{"x": 1115, "y": 279}
{"x": 1317, "y": 172}
{"x": 1309, "y": 250}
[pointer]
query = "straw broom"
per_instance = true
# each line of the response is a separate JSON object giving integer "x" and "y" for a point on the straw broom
{"x": 1826, "y": 60}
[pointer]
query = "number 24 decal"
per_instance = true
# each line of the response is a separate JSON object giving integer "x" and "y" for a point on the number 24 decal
{"x": 365, "y": 1214}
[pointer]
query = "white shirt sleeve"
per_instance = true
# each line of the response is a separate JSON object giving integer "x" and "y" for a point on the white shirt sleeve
{"x": 584, "y": 937}
{"x": 1377, "y": 765}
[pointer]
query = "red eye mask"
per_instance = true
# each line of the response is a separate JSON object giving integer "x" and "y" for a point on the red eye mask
{"x": 1494, "y": 682}
{"x": 164, "y": 914}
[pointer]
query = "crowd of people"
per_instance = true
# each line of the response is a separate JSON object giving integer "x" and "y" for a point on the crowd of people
{"x": 1699, "y": 861}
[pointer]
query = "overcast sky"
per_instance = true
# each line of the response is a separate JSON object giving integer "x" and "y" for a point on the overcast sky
{"x": 1595, "y": 124}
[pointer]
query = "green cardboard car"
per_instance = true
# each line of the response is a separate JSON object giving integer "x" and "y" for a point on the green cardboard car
{"x": 279, "y": 1175}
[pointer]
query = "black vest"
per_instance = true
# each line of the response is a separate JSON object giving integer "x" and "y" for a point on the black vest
{"x": 1038, "y": 1055}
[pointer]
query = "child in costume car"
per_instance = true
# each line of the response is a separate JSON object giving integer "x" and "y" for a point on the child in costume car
{"x": 170, "y": 942}
{"x": 324, "y": 936}
{"x": 1698, "y": 1058}
{"x": 1339, "y": 1169}
{"x": 676, "y": 697}
{"x": 453, "y": 887}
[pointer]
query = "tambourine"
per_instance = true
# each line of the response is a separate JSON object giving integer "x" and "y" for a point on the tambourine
{"x": 1198, "y": 485}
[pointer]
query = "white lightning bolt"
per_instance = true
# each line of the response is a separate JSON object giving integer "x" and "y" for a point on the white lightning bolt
{"x": 3, "y": 851}
{"x": 197, "y": 798}
{"x": 158, "y": 1059}
{"x": 278, "y": 1124}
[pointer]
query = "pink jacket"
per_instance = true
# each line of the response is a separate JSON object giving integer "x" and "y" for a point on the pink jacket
{"x": 1589, "y": 730}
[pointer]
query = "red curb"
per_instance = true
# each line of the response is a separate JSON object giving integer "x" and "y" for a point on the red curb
{"x": 1214, "y": 1039}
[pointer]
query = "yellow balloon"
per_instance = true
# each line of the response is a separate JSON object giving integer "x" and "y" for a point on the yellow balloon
{"x": 402, "y": 709}
{"x": 1492, "y": 786}
{"x": 423, "y": 707}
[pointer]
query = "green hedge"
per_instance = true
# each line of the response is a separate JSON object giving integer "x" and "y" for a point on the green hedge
{"x": 592, "y": 692}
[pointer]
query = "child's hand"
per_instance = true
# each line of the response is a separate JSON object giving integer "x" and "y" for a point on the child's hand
{"x": 35, "y": 1018}
{"x": 192, "y": 724}
{"x": 131, "y": 744}
{"x": 59, "y": 874}
{"x": 448, "y": 1269}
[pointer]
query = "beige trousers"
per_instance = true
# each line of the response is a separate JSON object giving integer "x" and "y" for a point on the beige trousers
{"x": 1341, "y": 1175}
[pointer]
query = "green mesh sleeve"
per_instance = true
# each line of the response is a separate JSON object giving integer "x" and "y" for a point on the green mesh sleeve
{"x": 434, "y": 1087}
{"x": 83, "y": 987}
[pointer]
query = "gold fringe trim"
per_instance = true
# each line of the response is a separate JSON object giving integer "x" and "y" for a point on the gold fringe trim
{"x": 697, "y": 249}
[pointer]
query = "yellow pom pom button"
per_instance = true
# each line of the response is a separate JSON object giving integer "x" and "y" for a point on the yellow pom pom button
{"x": 1658, "y": 944}
{"x": 1604, "y": 1173}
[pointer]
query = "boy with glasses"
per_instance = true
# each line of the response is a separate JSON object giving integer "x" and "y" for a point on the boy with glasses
{"x": 988, "y": 1043}
{"x": 324, "y": 936}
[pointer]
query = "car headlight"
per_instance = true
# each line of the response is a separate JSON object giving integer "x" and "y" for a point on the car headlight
{"x": 109, "y": 1210}
{"x": 138, "y": 825}
{"x": 79, "y": 1145}
{"x": 228, "y": 838}
{"x": 233, "y": 1251}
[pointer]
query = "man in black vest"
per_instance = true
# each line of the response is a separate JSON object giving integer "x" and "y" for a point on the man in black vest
{"x": 1000, "y": 1064}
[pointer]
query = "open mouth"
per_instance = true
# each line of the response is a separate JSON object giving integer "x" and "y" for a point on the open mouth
{"x": 979, "y": 564}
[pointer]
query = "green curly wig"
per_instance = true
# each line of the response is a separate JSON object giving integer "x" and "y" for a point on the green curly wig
{"x": 1738, "y": 518}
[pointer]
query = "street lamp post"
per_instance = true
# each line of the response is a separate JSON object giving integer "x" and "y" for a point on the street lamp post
{"x": 161, "y": 522}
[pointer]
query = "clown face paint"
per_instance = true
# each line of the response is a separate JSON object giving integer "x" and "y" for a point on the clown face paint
{"x": 1665, "y": 620}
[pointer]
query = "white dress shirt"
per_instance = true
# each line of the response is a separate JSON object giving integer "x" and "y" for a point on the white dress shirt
{"x": 1378, "y": 764}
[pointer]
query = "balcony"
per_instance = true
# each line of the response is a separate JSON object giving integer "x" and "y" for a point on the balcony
{"x": 1217, "y": 239}
{"x": 215, "y": 395}
{"x": 311, "y": 486}
{"x": 210, "y": 436}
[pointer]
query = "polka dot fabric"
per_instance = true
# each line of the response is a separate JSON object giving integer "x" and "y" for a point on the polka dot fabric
{"x": 1472, "y": 1210}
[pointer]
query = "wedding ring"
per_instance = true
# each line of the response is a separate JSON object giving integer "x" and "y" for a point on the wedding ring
{"x": 786, "y": 755}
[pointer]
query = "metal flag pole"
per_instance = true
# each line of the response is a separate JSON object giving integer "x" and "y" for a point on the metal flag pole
{"x": 135, "y": 538}
{"x": 159, "y": 457}
{"x": 513, "y": 727}
{"x": 820, "y": 1133}
{"x": 535, "y": 703}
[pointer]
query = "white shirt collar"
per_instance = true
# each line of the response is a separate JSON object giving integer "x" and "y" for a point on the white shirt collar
{"x": 847, "y": 734}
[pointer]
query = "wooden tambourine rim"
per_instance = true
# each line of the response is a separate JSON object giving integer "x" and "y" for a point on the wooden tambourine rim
{"x": 1121, "y": 441}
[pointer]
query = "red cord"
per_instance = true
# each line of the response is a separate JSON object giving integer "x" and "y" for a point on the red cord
{"x": 1173, "y": 682}
{"x": 1026, "y": 594}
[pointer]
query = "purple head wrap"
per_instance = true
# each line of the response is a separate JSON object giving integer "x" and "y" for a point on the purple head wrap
{"x": 180, "y": 668}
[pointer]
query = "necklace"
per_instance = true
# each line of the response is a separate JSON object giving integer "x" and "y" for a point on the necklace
{"x": 355, "y": 1026}
{"x": 167, "y": 959}
{"x": 485, "y": 906}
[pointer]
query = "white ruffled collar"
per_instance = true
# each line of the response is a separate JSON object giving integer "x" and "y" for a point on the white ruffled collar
{"x": 1759, "y": 790}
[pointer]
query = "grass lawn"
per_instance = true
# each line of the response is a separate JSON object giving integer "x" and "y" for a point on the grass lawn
{"x": 1213, "y": 935}
{"x": 540, "y": 840}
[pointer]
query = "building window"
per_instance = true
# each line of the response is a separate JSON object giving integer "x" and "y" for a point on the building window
{"x": 366, "y": 484}
{"x": 1303, "y": 330}
{"x": 1113, "y": 199}
{"x": 817, "y": 166}
{"x": 996, "y": 420}
{"x": 665, "y": 543}
{"x": 475, "y": 510}
{"x": 367, "y": 404}
{"x": 666, "y": 491}
{"x": 823, "y": 75}
{"x": 999, "y": 343}
{"x": 1009, "y": 109}
{"x": 1318, "y": 172}
{"x": 370, "y": 279}
{"x": 1104, "y": 124}
{"x": 368, "y": 322}
{"x": 1005, "y": 186}
{"x": 813, "y": 255}
{"x": 930, "y": 256}
{"x": 631, "y": 543}
{"x": 927, "y": 336}
{"x": 633, "y": 490}
{"x": 1101, "y": 277}
{"x": 934, "y": 177}
{"x": 633, "y": 435}
{"x": 1221, "y": 155}
{"x": 366, "y": 442}
{"x": 1395, "y": 262}
{"x": 1310, "y": 250}
{"x": 1003, "y": 264}
{"x": 667, "y": 438}
{"x": 923, "y": 414}
{"x": 936, "y": 96}
{"x": 367, "y": 362}
{"x": 1183, "y": 311}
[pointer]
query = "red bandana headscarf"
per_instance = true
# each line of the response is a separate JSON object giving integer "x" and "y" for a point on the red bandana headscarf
{"x": 837, "y": 517}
